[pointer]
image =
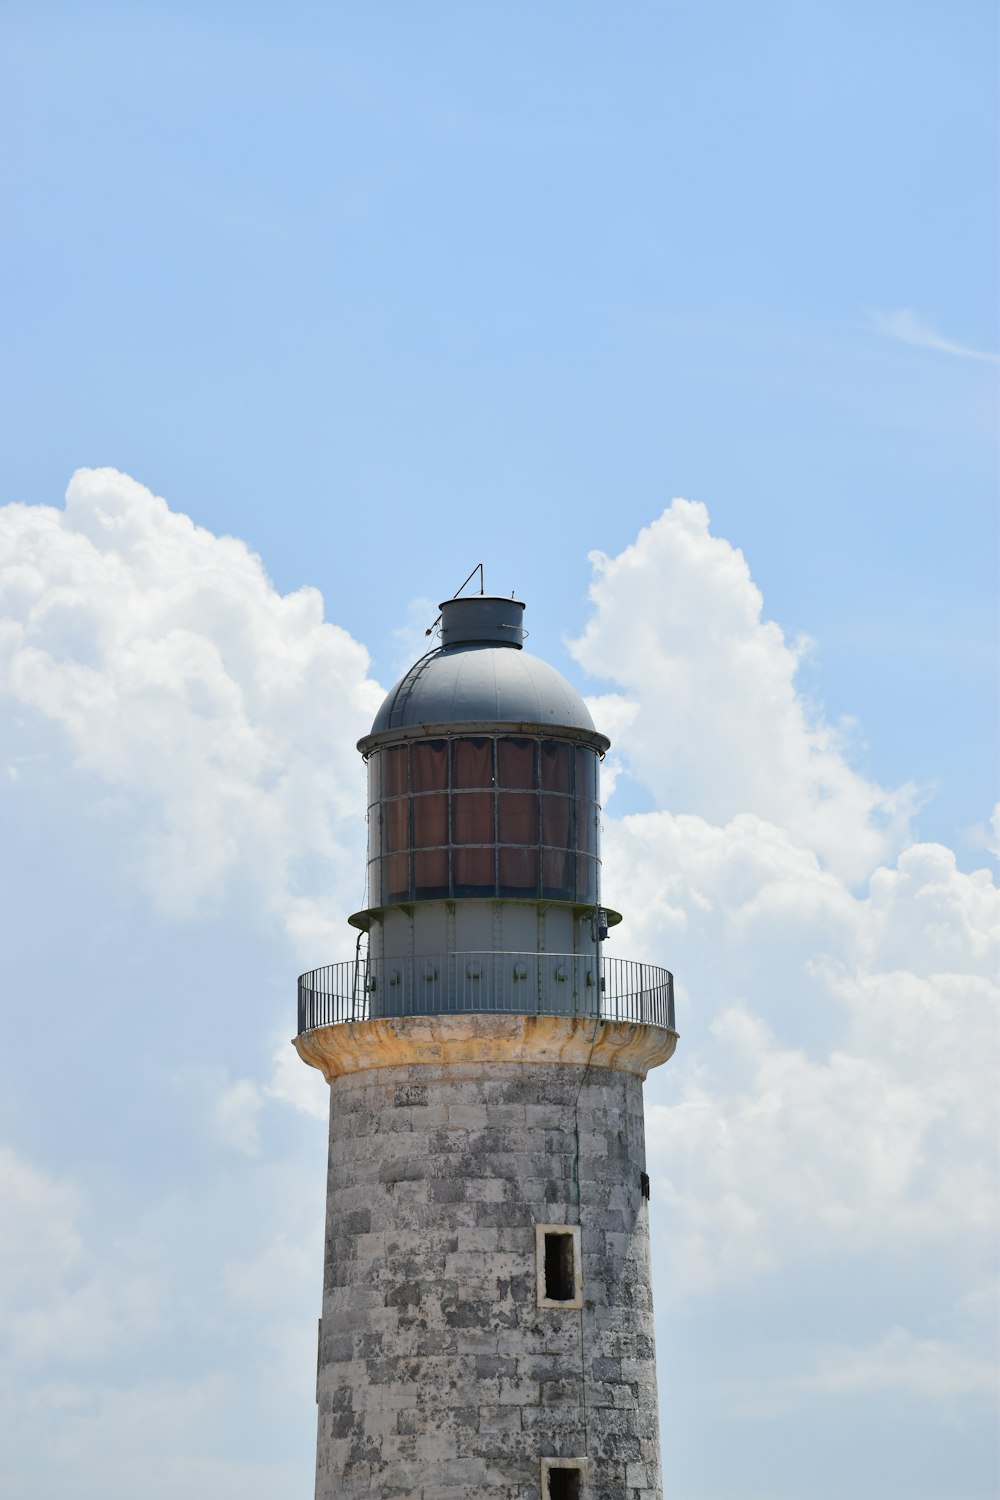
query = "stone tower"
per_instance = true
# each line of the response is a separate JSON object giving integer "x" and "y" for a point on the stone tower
{"x": 487, "y": 1325}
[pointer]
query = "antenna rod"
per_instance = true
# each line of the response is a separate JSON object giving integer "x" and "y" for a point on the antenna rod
{"x": 482, "y": 582}
{"x": 482, "y": 589}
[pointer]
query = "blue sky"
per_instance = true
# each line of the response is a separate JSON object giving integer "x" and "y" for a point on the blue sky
{"x": 377, "y": 292}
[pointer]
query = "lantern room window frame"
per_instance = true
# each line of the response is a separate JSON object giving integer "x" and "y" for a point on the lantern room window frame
{"x": 478, "y": 815}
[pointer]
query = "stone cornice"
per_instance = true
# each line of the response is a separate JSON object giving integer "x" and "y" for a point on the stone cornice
{"x": 399, "y": 1041}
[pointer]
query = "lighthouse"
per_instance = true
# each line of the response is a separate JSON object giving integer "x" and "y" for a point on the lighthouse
{"x": 487, "y": 1317}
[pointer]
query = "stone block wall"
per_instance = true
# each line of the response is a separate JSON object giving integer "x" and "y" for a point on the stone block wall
{"x": 440, "y": 1378}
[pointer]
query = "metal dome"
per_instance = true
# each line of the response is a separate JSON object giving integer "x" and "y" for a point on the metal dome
{"x": 479, "y": 678}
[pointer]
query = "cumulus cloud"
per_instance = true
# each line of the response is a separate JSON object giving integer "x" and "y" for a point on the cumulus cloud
{"x": 237, "y": 1112}
{"x": 291, "y": 1083}
{"x": 713, "y": 720}
{"x": 832, "y": 1101}
{"x": 225, "y": 712}
{"x": 57, "y": 1304}
{"x": 134, "y": 1358}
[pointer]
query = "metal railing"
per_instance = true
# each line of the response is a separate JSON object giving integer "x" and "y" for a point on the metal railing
{"x": 562, "y": 984}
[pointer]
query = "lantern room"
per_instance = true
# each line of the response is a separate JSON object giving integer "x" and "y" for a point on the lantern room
{"x": 483, "y": 802}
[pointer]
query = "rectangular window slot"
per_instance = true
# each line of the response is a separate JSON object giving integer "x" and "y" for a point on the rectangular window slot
{"x": 564, "y": 1478}
{"x": 559, "y": 1279}
{"x": 558, "y": 1267}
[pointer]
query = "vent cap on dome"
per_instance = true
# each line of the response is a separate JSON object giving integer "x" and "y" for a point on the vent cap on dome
{"x": 482, "y": 618}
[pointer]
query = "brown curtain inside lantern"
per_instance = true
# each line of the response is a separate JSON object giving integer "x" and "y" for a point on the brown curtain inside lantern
{"x": 556, "y": 821}
{"x": 529, "y": 830}
{"x": 429, "y": 766}
{"x": 472, "y": 763}
{"x": 473, "y": 871}
{"x": 516, "y": 763}
{"x": 557, "y": 874}
{"x": 430, "y": 821}
{"x": 586, "y": 826}
{"x": 517, "y": 818}
{"x": 518, "y": 872}
{"x": 394, "y": 769}
{"x": 472, "y": 818}
{"x": 586, "y": 879}
{"x": 586, "y": 773}
{"x": 395, "y": 825}
{"x": 555, "y": 766}
{"x": 396, "y": 876}
{"x": 430, "y": 873}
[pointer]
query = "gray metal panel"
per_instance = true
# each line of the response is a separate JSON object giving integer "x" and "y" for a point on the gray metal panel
{"x": 483, "y": 684}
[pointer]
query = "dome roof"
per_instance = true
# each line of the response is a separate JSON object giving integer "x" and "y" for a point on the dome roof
{"x": 481, "y": 678}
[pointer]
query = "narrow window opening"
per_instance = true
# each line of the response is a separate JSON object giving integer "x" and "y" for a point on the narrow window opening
{"x": 564, "y": 1478}
{"x": 558, "y": 1268}
{"x": 560, "y": 1282}
{"x": 564, "y": 1484}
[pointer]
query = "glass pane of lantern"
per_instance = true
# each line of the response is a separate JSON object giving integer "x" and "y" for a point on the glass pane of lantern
{"x": 395, "y": 772}
{"x": 374, "y": 765}
{"x": 516, "y": 763}
{"x": 586, "y": 773}
{"x": 472, "y": 763}
{"x": 395, "y": 873}
{"x": 430, "y": 821}
{"x": 473, "y": 872}
{"x": 517, "y": 814}
{"x": 557, "y": 874}
{"x": 555, "y": 764}
{"x": 586, "y": 826}
{"x": 430, "y": 766}
{"x": 518, "y": 872}
{"x": 430, "y": 873}
{"x": 472, "y": 818}
{"x": 374, "y": 883}
{"x": 395, "y": 825}
{"x": 586, "y": 879}
{"x": 556, "y": 821}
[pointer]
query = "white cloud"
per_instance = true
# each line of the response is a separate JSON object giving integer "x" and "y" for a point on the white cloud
{"x": 986, "y": 836}
{"x": 224, "y": 712}
{"x": 204, "y": 1435}
{"x": 293, "y": 1083}
{"x": 902, "y": 323}
{"x": 133, "y": 1362}
{"x": 260, "y": 1283}
{"x": 935, "y": 1376}
{"x": 57, "y": 1303}
{"x": 39, "y": 1239}
{"x": 773, "y": 1159}
{"x": 931, "y": 1368}
{"x": 237, "y": 1116}
{"x": 833, "y": 1093}
{"x": 718, "y": 727}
